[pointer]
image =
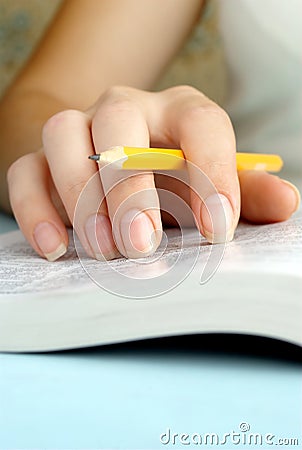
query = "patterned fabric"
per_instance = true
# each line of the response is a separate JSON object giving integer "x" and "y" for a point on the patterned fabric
{"x": 199, "y": 63}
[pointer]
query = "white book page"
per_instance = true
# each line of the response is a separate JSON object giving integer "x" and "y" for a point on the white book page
{"x": 275, "y": 248}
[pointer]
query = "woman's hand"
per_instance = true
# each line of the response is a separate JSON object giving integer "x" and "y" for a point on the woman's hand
{"x": 45, "y": 186}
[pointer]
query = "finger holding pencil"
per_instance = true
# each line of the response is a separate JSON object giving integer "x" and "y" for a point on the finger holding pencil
{"x": 166, "y": 130}
{"x": 189, "y": 118}
{"x": 178, "y": 117}
{"x": 165, "y": 159}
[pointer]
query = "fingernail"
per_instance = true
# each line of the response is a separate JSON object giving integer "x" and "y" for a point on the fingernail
{"x": 99, "y": 234}
{"x": 296, "y": 194}
{"x": 217, "y": 219}
{"x": 49, "y": 240}
{"x": 137, "y": 233}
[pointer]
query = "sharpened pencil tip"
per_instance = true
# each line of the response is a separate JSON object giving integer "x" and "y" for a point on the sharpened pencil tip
{"x": 94, "y": 157}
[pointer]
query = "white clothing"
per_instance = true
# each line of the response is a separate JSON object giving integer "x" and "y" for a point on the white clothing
{"x": 263, "y": 48}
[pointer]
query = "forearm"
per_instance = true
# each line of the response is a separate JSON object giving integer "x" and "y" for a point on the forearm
{"x": 85, "y": 51}
{"x": 22, "y": 115}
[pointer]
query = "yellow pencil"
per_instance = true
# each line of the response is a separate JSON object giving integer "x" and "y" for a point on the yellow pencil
{"x": 137, "y": 158}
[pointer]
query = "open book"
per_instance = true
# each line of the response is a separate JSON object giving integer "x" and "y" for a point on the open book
{"x": 252, "y": 285}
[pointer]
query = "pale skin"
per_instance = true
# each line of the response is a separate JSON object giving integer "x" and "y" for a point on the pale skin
{"x": 85, "y": 90}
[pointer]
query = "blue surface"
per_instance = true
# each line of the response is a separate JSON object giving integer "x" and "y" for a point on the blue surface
{"x": 7, "y": 223}
{"x": 126, "y": 396}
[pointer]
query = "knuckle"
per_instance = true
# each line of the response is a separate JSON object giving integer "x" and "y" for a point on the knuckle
{"x": 117, "y": 91}
{"x": 120, "y": 106}
{"x": 209, "y": 113}
{"x": 209, "y": 109}
{"x": 12, "y": 171}
{"x": 18, "y": 167}
{"x": 117, "y": 106}
{"x": 119, "y": 99}
{"x": 67, "y": 118}
{"x": 183, "y": 89}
